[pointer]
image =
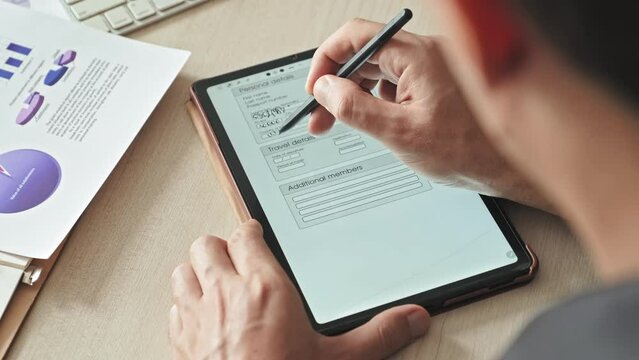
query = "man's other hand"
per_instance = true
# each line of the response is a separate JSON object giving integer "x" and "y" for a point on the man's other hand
{"x": 234, "y": 301}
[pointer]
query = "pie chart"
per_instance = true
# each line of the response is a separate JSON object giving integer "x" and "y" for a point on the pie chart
{"x": 25, "y": 3}
{"x": 27, "y": 178}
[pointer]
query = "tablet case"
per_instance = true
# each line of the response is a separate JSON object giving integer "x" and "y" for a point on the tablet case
{"x": 21, "y": 302}
{"x": 242, "y": 213}
{"x": 219, "y": 164}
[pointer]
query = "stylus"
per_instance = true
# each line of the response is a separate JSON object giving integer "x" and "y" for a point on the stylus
{"x": 354, "y": 63}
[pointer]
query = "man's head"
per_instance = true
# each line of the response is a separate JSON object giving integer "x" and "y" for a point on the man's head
{"x": 595, "y": 36}
{"x": 589, "y": 36}
{"x": 553, "y": 85}
{"x": 542, "y": 74}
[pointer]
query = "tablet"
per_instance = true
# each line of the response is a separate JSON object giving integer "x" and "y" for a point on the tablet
{"x": 356, "y": 229}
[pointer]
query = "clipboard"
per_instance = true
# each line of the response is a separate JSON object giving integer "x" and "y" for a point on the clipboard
{"x": 22, "y": 300}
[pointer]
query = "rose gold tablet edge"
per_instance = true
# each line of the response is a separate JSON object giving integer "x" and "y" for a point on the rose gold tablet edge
{"x": 220, "y": 165}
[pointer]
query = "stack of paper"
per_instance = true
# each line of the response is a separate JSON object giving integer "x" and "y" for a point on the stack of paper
{"x": 72, "y": 99}
{"x": 52, "y": 7}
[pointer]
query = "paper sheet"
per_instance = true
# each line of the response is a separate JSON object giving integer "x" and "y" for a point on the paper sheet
{"x": 72, "y": 99}
{"x": 12, "y": 260}
{"x": 11, "y": 270}
{"x": 9, "y": 279}
{"x": 52, "y": 7}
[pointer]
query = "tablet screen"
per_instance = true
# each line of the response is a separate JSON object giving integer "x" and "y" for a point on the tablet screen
{"x": 358, "y": 227}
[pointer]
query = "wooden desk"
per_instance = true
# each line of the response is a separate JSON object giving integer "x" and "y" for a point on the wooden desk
{"x": 108, "y": 296}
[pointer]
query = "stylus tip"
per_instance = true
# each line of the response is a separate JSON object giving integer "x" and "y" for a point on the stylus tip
{"x": 284, "y": 128}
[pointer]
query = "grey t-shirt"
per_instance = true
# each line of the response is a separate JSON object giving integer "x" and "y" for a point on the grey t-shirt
{"x": 603, "y": 325}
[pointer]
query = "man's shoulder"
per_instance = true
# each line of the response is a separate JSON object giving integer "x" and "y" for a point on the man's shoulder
{"x": 599, "y": 325}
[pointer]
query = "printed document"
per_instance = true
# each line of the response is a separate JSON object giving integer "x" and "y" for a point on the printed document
{"x": 72, "y": 100}
{"x": 52, "y": 7}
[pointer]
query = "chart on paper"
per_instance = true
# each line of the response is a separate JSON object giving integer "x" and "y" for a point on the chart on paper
{"x": 13, "y": 58}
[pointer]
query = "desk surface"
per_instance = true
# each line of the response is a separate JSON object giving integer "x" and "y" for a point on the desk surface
{"x": 109, "y": 296}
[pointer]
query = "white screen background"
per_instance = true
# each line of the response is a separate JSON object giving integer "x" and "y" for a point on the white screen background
{"x": 370, "y": 257}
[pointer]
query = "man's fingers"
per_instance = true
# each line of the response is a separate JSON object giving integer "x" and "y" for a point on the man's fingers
{"x": 210, "y": 261}
{"x": 321, "y": 64}
{"x": 175, "y": 323}
{"x": 321, "y": 121}
{"x": 349, "y": 103}
{"x": 249, "y": 251}
{"x": 344, "y": 43}
{"x": 185, "y": 286}
{"x": 368, "y": 84}
{"x": 339, "y": 48}
{"x": 387, "y": 90}
{"x": 386, "y": 333}
{"x": 175, "y": 329}
{"x": 370, "y": 71}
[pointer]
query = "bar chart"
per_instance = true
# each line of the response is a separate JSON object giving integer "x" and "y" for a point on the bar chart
{"x": 12, "y": 57}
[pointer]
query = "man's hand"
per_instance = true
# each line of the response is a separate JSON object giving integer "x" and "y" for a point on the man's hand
{"x": 234, "y": 301}
{"x": 421, "y": 115}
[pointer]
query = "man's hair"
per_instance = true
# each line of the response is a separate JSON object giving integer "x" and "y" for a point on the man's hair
{"x": 597, "y": 36}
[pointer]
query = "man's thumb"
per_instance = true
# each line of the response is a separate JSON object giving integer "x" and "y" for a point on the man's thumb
{"x": 348, "y": 102}
{"x": 386, "y": 333}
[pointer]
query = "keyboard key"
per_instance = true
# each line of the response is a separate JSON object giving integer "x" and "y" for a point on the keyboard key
{"x": 87, "y": 8}
{"x": 118, "y": 17}
{"x": 141, "y": 9}
{"x": 142, "y": 12}
{"x": 166, "y": 4}
{"x": 97, "y": 22}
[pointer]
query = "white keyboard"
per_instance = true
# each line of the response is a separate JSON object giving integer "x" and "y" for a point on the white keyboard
{"x": 123, "y": 16}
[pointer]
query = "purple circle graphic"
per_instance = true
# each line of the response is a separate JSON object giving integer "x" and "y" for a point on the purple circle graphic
{"x": 27, "y": 178}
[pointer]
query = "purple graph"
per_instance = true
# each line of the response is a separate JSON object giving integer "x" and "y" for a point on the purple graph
{"x": 17, "y": 48}
{"x": 27, "y": 178}
{"x": 4, "y": 74}
{"x": 16, "y": 53}
{"x": 62, "y": 60}
{"x": 65, "y": 58}
{"x": 13, "y": 62}
{"x": 32, "y": 105}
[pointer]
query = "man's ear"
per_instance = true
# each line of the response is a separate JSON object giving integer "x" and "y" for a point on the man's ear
{"x": 495, "y": 33}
